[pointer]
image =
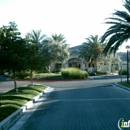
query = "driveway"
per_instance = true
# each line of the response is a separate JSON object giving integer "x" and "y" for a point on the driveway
{"x": 81, "y": 105}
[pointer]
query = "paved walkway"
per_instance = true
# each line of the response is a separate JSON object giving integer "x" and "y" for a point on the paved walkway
{"x": 85, "y": 106}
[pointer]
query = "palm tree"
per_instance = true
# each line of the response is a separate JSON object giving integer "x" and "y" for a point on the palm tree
{"x": 58, "y": 38}
{"x": 62, "y": 47}
{"x": 119, "y": 31}
{"x": 54, "y": 50}
{"x": 36, "y": 37}
{"x": 91, "y": 50}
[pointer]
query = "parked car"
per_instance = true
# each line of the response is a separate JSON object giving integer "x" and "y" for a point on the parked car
{"x": 92, "y": 73}
{"x": 6, "y": 74}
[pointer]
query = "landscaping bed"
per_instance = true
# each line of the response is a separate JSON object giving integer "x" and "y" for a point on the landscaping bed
{"x": 11, "y": 101}
{"x": 57, "y": 78}
{"x": 65, "y": 74}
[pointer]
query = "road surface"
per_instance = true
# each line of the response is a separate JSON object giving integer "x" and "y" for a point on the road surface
{"x": 82, "y": 105}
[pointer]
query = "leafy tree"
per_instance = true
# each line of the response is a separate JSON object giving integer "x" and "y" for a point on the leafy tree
{"x": 91, "y": 50}
{"x": 119, "y": 31}
{"x": 32, "y": 61}
{"x": 12, "y": 49}
{"x": 112, "y": 60}
{"x": 54, "y": 50}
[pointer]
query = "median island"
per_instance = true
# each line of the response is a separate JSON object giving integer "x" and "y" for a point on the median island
{"x": 11, "y": 101}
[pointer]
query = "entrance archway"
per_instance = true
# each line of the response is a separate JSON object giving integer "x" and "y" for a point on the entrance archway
{"x": 74, "y": 62}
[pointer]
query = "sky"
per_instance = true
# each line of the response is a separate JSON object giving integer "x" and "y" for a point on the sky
{"x": 75, "y": 19}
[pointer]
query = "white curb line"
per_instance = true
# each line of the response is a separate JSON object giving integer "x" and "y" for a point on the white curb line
{"x": 10, "y": 120}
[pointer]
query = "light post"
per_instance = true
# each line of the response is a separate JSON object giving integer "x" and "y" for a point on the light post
{"x": 127, "y": 47}
{"x": 127, "y": 66}
{"x": 121, "y": 70}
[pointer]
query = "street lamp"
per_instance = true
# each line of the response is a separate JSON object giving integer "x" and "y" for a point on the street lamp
{"x": 127, "y": 47}
{"x": 121, "y": 70}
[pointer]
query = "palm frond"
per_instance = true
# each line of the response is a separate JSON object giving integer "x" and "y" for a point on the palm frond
{"x": 127, "y": 5}
{"x": 119, "y": 32}
{"x": 91, "y": 49}
{"x": 123, "y": 15}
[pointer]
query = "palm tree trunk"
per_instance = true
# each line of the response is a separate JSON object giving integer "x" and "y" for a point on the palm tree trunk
{"x": 91, "y": 64}
{"x": 96, "y": 64}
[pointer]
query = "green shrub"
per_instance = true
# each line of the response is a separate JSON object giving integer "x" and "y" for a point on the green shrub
{"x": 1, "y": 72}
{"x": 123, "y": 72}
{"x": 48, "y": 76}
{"x": 20, "y": 75}
{"x": 73, "y": 73}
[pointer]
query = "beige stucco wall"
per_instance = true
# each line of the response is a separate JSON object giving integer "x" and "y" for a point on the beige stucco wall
{"x": 82, "y": 63}
{"x": 105, "y": 68}
{"x": 124, "y": 66}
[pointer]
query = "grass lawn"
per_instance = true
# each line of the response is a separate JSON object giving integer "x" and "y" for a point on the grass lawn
{"x": 125, "y": 84}
{"x": 11, "y": 101}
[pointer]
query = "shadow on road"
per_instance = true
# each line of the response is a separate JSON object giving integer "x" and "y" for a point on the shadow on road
{"x": 81, "y": 108}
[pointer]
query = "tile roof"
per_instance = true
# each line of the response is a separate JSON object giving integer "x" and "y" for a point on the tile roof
{"x": 75, "y": 50}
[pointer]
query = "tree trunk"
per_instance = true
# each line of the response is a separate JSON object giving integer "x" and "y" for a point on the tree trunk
{"x": 50, "y": 67}
{"x": 31, "y": 77}
{"x": 15, "y": 83}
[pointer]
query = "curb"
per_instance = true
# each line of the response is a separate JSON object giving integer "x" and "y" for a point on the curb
{"x": 121, "y": 86}
{"x": 42, "y": 80}
{"x": 10, "y": 120}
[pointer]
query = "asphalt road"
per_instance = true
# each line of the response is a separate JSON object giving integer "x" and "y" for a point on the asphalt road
{"x": 6, "y": 84}
{"x": 90, "y": 108}
{"x": 82, "y": 105}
